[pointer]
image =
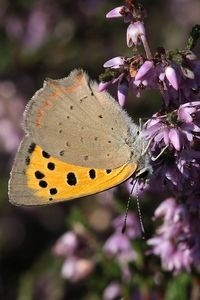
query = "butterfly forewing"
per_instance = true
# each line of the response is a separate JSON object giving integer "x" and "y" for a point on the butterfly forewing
{"x": 38, "y": 178}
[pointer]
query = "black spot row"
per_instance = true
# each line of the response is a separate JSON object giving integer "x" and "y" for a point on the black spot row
{"x": 70, "y": 177}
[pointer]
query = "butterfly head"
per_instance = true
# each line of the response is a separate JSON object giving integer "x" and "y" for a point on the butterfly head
{"x": 140, "y": 150}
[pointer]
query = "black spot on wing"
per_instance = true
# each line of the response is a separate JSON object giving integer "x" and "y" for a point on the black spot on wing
{"x": 39, "y": 175}
{"x": 62, "y": 152}
{"x": 45, "y": 154}
{"x": 27, "y": 160}
{"x": 71, "y": 178}
{"x": 51, "y": 166}
{"x": 31, "y": 148}
{"x": 43, "y": 184}
{"x": 53, "y": 191}
{"x": 92, "y": 173}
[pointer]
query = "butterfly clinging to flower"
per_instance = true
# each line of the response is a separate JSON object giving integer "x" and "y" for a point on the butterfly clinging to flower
{"x": 77, "y": 142}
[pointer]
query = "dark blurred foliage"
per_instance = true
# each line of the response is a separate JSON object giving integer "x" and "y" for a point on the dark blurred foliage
{"x": 47, "y": 38}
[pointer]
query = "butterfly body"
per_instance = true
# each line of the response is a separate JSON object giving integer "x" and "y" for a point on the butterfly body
{"x": 78, "y": 142}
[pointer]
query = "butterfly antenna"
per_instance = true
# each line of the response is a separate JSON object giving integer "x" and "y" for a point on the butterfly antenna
{"x": 139, "y": 211}
{"x": 140, "y": 216}
{"x": 126, "y": 213}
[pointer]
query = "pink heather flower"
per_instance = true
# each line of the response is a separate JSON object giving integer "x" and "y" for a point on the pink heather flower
{"x": 128, "y": 13}
{"x": 119, "y": 246}
{"x": 185, "y": 78}
{"x": 177, "y": 239}
{"x": 178, "y": 129}
{"x": 177, "y": 174}
{"x": 115, "y": 12}
{"x": 11, "y": 108}
{"x": 164, "y": 135}
{"x": 112, "y": 291}
{"x": 66, "y": 245}
{"x": 117, "y": 243}
{"x": 103, "y": 86}
{"x": 122, "y": 92}
{"x": 134, "y": 32}
{"x": 166, "y": 210}
{"x": 147, "y": 76}
{"x": 189, "y": 115}
{"x": 133, "y": 228}
{"x": 144, "y": 69}
{"x": 172, "y": 77}
{"x": 122, "y": 79}
{"x": 75, "y": 269}
{"x": 115, "y": 62}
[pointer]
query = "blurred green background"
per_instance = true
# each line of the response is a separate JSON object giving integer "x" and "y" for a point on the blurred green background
{"x": 47, "y": 38}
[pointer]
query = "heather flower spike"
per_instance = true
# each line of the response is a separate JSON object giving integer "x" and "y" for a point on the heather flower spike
{"x": 173, "y": 132}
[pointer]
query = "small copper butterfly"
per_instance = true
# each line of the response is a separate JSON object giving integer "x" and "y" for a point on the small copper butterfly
{"x": 78, "y": 142}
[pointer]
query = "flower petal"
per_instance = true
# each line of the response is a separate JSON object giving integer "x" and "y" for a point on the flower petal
{"x": 114, "y": 62}
{"x": 144, "y": 69}
{"x": 172, "y": 77}
{"x": 174, "y": 137}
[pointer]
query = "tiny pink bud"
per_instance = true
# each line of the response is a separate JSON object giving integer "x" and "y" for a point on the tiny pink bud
{"x": 184, "y": 114}
{"x": 75, "y": 269}
{"x": 114, "y": 62}
{"x": 172, "y": 77}
{"x": 66, "y": 244}
{"x": 115, "y": 13}
{"x": 188, "y": 73}
{"x": 102, "y": 86}
{"x": 112, "y": 291}
{"x": 134, "y": 32}
{"x": 122, "y": 93}
{"x": 144, "y": 69}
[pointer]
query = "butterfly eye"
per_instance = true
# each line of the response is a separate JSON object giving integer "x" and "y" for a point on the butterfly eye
{"x": 144, "y": 175}
{"x": 138, "y": 132}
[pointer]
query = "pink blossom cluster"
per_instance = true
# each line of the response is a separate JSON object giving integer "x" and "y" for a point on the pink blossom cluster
{"x": 80, "y": 259}
{"x": 173, "y": 133}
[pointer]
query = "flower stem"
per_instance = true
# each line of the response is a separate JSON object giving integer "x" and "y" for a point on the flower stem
{"x": 146, "y": 47}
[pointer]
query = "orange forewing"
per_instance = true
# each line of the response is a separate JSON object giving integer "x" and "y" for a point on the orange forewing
{"x": 51, "y": 179}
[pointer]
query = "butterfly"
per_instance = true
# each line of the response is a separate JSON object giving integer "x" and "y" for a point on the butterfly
{"x": 77, "y": 142}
